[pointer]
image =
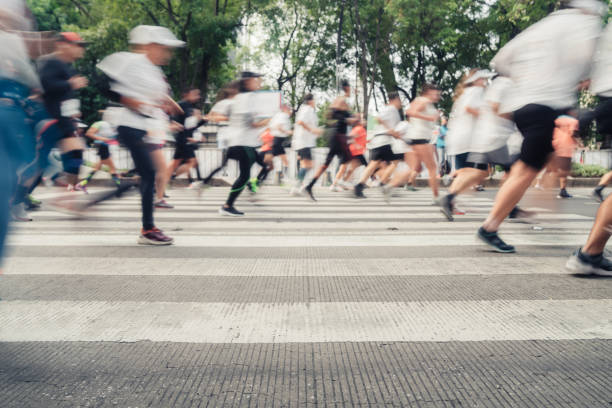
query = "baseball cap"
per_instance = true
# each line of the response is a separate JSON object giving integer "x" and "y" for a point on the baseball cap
{"x": 71, "y": 37}
{"x": 249, "y": 74}
{"x": 146, "y": 34}
{"x": 590, "y": 6}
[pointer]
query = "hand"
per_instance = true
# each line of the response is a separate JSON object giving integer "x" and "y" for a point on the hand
{"x": 78, "y": 82}
{"x": 395, "y": 134}
{"x": 175, "y": 127}
{"x": 318, "y": 131}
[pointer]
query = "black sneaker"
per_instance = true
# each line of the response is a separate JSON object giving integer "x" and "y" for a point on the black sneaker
{"x": 494, "y": 241}
{"x": 564, "y": 194}
{"x": 585, "y": 264}
{"x": 520, "y": 215}
{"x": 359, "y": 191}
{"x": 446, "y": 207}
{"x": 230, "y": 212}
{"x": 308, "y": 190}
{"x": 597, "y": 195}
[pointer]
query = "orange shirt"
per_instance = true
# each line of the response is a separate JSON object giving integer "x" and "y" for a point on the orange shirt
{"x": 267, "y": 140}
{"x": 360, "y": 137}
{"x": 563, "y": 137}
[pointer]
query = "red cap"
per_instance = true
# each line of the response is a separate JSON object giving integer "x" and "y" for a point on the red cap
{"x": 71, "y": 37}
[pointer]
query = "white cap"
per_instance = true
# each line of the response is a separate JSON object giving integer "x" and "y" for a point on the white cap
{"x": 483, "y": 73}
{"x": 591, "y": 6}
{"x": 146, "y": 34}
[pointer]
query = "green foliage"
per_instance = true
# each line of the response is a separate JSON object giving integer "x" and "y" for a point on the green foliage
{"x": 589, "y": 170}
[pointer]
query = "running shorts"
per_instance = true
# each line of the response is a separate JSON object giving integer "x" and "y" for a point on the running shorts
{"x": 537, "y": 124}
{"x": 382, "y": 153}
{"x": 103, "y": 151}
{"x": 398, "y": 156}
{"x": 305, "y": 153}
{"x": 361, "y": 159}
{"x": 418, "y": 141}
{"x": 498, "y": 156}
{"x": 461, "y": 161}
{"x": 277, "y": 148}
{"x": 338, "y": 147}
{"x": 183, "y": 152}
{"x": 563, "y": 163}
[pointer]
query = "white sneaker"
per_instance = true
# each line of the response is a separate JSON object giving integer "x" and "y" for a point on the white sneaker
{"x": 18, "y": 213}
{"x": 335, "y": 188}
{"x": 295, "y": 192}
{"x": 191, "y": 186}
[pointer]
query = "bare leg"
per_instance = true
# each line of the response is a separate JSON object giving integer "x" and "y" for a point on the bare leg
{"x": 600, "y": 234}
{"x": 341, "y": 171}
{"x": 372, "y": 166}
{"x": 388, "y": 172}
{"x": 510, "y": 193}
{"x": 355, "y": 164}
{"x": 160, "y": 178}
{"x": 466, "y": 179}
{"x": 606, "y": 179}
{"x": 426, "y": 156}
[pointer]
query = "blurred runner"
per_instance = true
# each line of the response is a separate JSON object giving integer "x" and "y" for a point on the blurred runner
{"x": 305, "y": 139}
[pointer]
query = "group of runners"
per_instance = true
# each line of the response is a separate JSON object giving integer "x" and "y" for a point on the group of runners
{"x": 521, "y": 115}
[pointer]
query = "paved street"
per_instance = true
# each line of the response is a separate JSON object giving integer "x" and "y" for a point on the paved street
{"x": 341, "y": 303}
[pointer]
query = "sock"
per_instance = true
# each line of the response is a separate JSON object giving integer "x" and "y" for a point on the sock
{"x": 89, "y": 177}
{"x": 115, "y": 178}
{"x": 302, "y": 174}
{"x": 591, "y": 258}
{"x": 451, "y": 196}
{"x": 599, "y": 189}
{"x": 197, "y": 169}
{"x": 312, "y": 183}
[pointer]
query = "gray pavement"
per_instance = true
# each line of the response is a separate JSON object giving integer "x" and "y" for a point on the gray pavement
{"x": 342, "y": 302}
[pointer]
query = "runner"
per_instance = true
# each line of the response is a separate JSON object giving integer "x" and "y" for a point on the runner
{"x": 601, "y": 85}
{"x": 18, "y": 80}
{"x": 305, "y": 139}
{"x": 244, "y": 137}
{"x": 141, "y": 87}
{"x": 103, "y": 135}
{"x": 545, "y": 78}
{"x": 358, "y": 142}
{"x": 184, "y": 158}
{"x": 380, "y": 145}
{"x": 60, "y": 82}
{"x": 339, "y": 118}
{"x": 489, "y": 144}
{"x": 219, "y": 114}
{"x": 423, "y": 117}
{"x": 280, "y": 127}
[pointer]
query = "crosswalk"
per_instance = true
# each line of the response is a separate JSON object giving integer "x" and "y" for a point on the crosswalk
{"x": 341, "y": 302}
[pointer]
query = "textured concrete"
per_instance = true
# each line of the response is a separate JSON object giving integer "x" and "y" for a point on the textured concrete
{"x": 338, "y": 303}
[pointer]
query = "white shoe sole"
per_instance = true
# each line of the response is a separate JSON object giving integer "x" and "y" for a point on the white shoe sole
{"x": 145, "y": 241}
{"x": 575, "y": 266}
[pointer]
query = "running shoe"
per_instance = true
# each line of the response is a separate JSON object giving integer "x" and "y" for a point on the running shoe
{"x": 335, "y": 188}
{"x": 564, "y": 194}
{"x": 253, "y": 185}
{"x": 296, "y": 192}
{"x": 359, "y": 191}
{"x": 597, "y": 195}
{"x": 457, "y": 211}
{"x": 154, "y": 237}
{"x": 582, "y": 263}
{"x": 81, "y": 187}
{"x": 32, "y": 203}
{"x": 446, "y": 207}
{"x": 479, "y": 187}
{"x": 18, "y": 213}
{"x": 230, "y": 212}
{"x": 163, "y": 204}
{"x": 494, "y": 241}
{"x": 410, "y": 187}
{"x": 191, "y": 186}
{"x": 308, "y": 191}
{"x": 518, "y": 214}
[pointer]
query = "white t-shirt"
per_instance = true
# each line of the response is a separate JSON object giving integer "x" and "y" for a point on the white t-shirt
{"x": 135, "y": 76}
{"x": 399, "y": 146}
{"x": 461, "y": 123}
{"x": 492, "y": 131}
{"x": 515, "y": 143}
{"x": 223, "y": 107}
{"x": 601, "y": 82}
{"x": 549, "y": 59}
{"x": 303, "y": 138}
{"x": 105, "y": 130}
{"x": 243, "y": 114}
{"x": 391, "y": 116}
{"x": 280, "y": 125}
{"x": 423, "y": 129}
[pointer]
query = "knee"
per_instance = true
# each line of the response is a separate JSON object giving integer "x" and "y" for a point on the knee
{"x": 72, "y": 161}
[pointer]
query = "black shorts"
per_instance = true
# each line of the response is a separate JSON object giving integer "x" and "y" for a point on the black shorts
{"x": 418, "y": 142}
{"x": 361, "y": 159}
{"x": 338, "y": 147}
{"x": 537, "y": 124}
{"x": 305, "y": 153}
{"x": 398, "y": 156}
{"x": 183, "y": 152}
{"x": 277, "y": 148}
{"x": 382, "y": 153}
{"x": 103, "y": 151}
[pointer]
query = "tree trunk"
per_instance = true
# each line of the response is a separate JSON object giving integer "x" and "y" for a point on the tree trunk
{"x": 339, "y": 44}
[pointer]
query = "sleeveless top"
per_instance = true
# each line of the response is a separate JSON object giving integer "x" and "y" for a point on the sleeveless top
{"x": 423, "y": 129}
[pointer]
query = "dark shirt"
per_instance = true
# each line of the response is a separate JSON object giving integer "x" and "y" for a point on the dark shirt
{"x": 54, "y": 76}
{"x": 340, "y": 117}
{"x": 182, "y": 136}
